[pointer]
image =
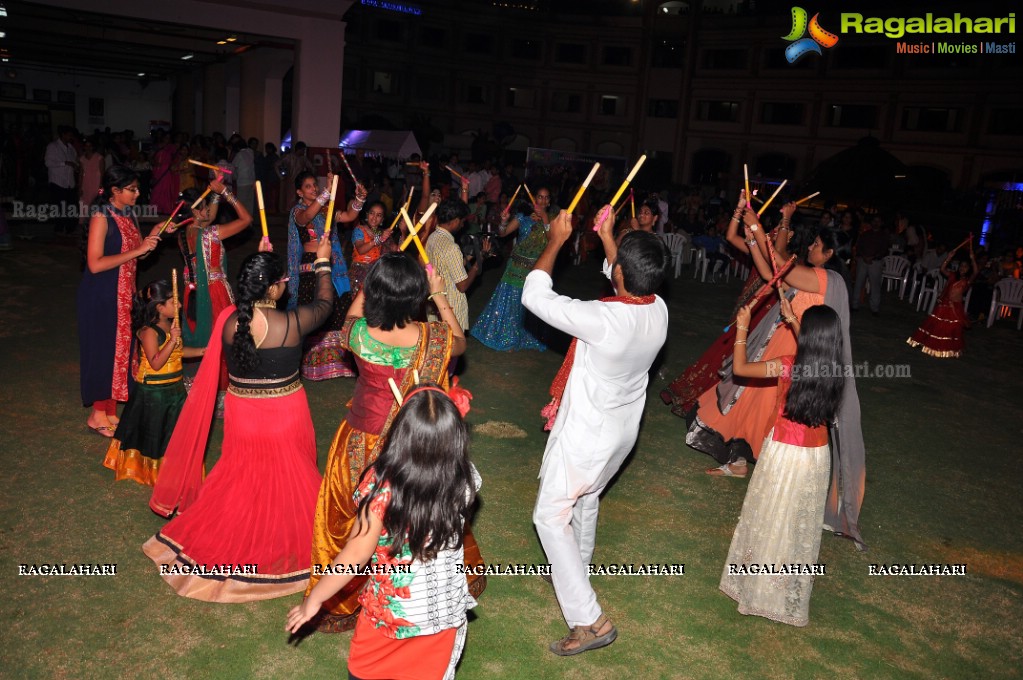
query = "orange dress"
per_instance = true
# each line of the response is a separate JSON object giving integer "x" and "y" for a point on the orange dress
{"x": 752, "y": 416}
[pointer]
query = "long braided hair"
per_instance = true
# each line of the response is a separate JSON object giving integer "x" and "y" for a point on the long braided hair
{"x": 258, "y": 272}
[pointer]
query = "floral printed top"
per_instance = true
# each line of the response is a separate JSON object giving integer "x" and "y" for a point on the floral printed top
{"x": 429, "y": 598}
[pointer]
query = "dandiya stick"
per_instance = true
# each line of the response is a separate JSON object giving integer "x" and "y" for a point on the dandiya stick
{"x": 807, "y": 198}
{"x": 174, "y": 291}
{"x": 448, "y": 168}
{"x": 394, "y": 390}
{"x": 582, "y": 189}
{"x": 512, "y": 200}
{"x": 216, "y": 168}
{"x": 330, "y": 206}
{"x": 745, "y": 176}
{"x": 200, "y": 199}
{"x": 529, "y": 193}
{"x": 262, "y": 209}
{"x": 408, "y": 202}
{"x": 413, "y": 231}
{"x": 632, "y": 203}
{"x": 602, "y": 215}
{"x": 632, "y": 174}
{"x": 768, "y": 201}
{"x": 415, "y": 376}
{"x": 766, "y": 288}
{"x": 345, "y": 161}
{"x": 624, "y": 203}
{"x": 169, "y": 219}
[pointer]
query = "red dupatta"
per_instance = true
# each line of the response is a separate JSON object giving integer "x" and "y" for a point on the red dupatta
{"x": 181, "y": 472}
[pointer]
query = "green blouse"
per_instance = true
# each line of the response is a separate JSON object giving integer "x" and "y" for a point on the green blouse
{"x": 376, "y": 352}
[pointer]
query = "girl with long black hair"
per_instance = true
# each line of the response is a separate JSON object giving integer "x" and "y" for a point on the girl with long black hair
{"x": 777, "y": 541}
{"x": 256, "y": 507}
{"x": 112, "y": 247}
{"x": 148, "y": 420}
{"x": 413, "y": 503}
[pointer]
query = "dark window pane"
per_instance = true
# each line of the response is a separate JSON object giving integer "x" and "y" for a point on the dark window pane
{"x": 617, "y": 56}
{"x": 724, "y": 59}
{"x": 1005, "y": 121}
{"x": 662, "y": 108}
{"x": 390, "y": 30}
{"x": 525, "y": 49}
{"x": 721, "y": 112}
{"x": 571, "y": 53}
{"x": 853, "y": 116}
{"x": 667, "y": 54}
{"x": 782, "y": 113}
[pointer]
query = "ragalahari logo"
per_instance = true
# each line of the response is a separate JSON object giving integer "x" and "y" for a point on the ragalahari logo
{"x": 802, "y": 46}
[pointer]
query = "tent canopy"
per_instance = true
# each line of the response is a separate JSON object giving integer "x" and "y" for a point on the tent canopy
{"x": 399, "y": 143}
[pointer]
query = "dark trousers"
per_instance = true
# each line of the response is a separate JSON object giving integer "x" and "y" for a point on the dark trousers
{"x": 67, "y": 202}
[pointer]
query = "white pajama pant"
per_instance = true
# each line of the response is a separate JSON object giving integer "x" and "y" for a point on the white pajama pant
{"x": 565, "y": 517}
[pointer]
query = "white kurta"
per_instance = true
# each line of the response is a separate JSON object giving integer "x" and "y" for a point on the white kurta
{"x": 595, "y": 429}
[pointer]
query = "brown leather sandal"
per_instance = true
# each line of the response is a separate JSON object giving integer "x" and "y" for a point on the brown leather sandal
{"x": 586, "y": 638}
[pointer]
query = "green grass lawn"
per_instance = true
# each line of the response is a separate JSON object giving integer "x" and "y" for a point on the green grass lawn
{"x": 942, "y": 487}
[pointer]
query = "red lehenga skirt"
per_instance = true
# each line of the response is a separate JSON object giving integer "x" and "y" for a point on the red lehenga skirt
{"x": 251, "y": 525}
{"x": 941, "y": 335}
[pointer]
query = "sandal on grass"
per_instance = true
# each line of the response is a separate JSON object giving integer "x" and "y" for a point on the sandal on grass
{"x": 728, "y": 470}
{"x": 584, "y": 638}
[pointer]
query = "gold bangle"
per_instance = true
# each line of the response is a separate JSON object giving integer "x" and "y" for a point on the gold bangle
{"x": 740, "y": 342}
{"x": 433, "y": 295}
{"x": 741, "y": 328}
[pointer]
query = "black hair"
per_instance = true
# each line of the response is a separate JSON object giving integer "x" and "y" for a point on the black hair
{"x": 644, "y": 261}
{"x": 364, "y": 217}
{"x": 451, "y": 209}
{"x": 818, "y": 373}
{"x": 143, "y": 308}
{"x": 259, "y": 271}
{"x": 116, "y": 176}
{"x": 301, "y": 177}
{"x": 425, "y": 464}
{"x": 651, "y": 203}
{"x": 829, "y": 241}
{"x": 395, "y": 290}
{"x": 190, "y": 196}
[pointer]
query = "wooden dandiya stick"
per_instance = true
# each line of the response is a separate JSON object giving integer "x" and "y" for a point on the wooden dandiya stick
{"x": 602, "y": 215}
{"x": 631, "y": 175}
{"x": 216, "y": 168}
{"x": 529, "y": 193}
{"x": 768, "y": 201}
{"x": 174, "y": 292}
{"x": 807, "y": 198}
{"x": 330, "y": 206}
{"x": 415, "y": 376}
{"x": 397, "y": 215}
{"x": 632, "y": 203}
{"x": 511, "y": 201}
{"x": 413, "y": 231}
{"x": 449, "y": 169}
{"x": 394, "y": 390}
{"x": 201, "y": 198}
{"x": 169, "y": 219}
{"x": 582, "y": 189}
{"x": 624, "y": 203}
{"x": 766, "y": 288}
{"x": 262, "y": 209}
{"x": 350, "y": 172}
{"x": 183, "y": 223}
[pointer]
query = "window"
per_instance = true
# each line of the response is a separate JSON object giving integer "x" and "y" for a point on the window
{"x": 570, "y": 53}
{"x": 667, "y": 53}
{"x": 852, "y": 116}
{"x": 433, "y": 37}
{"x": 393, "y": 31}
{"x": 477, "y": 43}
{"x": 926, "y": 119}
{"x": 860, "y": 56}
{"x": 775, "y": 58}
{"x": 528, "y": 50}
{"x": 518, "y": 98}
{"x": 782, "y": 113}
{"x": 617, "y": 56}
{"x": 566, "y": 102}
{"x": 662, "y": 108}
{"x": 1004, "y": 121}
{"x": 611, "y": 106}
{"x": 477, "y": 94}
{"x": 384, "y": 83}
{"x": 724, "y": 59}
{"x": 719, "y": 112}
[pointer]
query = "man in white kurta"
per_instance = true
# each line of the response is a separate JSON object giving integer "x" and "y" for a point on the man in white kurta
{"x": 598, "y": 420}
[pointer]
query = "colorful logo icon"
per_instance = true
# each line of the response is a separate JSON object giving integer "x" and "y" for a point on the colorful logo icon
{"x": 801, "y": 46}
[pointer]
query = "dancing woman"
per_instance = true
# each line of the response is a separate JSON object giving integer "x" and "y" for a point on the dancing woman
{"x": 113, "y": 246}
{"x": 256, "y": 507}
{"x": 941, "y": 335}
{"x": 387, "y": 344}
{"x": 503, "y": 323}
{"x": 324, "y": 357}
{"x": 369, "y": 242}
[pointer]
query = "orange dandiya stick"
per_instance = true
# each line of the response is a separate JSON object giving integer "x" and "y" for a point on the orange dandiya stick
{"x": 200, "y": 199}
{"x": 167, "y": 223}
{"x": 768, "y": 201}
{"x": 330, "y": 206}
{"x": 632, "y": 173}
{"x": 512, "y": 200}
{"x": 448, "y": 168}
{"x": 216, "y": 168}
{"x": 624, "y": 203}
{"x": 174, "y": 291}
{"x": 262, "y": 208}
{"x": 807, "y": 198}
{"x": 766, "y": 288}
{"x": 632, "y": 202}
{"x": 529, "y": 193}
{"x": 745, "y": 176}
{"x": 582, "y": 189}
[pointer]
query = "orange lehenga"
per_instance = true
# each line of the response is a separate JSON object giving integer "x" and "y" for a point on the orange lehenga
{"x": 356, "y": 445}
{"x": 753, "y": 411}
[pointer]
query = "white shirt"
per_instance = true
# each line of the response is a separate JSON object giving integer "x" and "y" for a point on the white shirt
{"x": 57, "y": 169}
{"x": 244, "y": 167}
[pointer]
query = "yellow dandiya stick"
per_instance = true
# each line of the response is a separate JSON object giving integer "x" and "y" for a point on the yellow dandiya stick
{"x": 745, "y": 176}
{"x": 448, "y": 168}
{"x": 413, "y": 231}
{"x": 330, "y": 206}
{"x": 201, "y": 198}
{"x": 217, "y": 168}
{"x": 171, "y": 218}
{"x": 512, "y": 200}
{"x": 582, "y": 189}
{"x": 262, "y": 208}
{"x": 394, "y": 390}
{"x": 806, "y": 198}
{"x": 632, "y": 203}
{"x": 768, "y": 201}
{"x": 632, "y": 173}
{"x": 408, "y": 202}
{"x": 174, "y": 291}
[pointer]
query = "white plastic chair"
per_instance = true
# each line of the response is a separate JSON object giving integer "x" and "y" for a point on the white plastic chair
{"x": 700, "y": 264}
{"x": 930, "y": 289}
{"x": 1008, "y": 295}
{"x": 895, "y": 270}
{"x": 676, "y": 244}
